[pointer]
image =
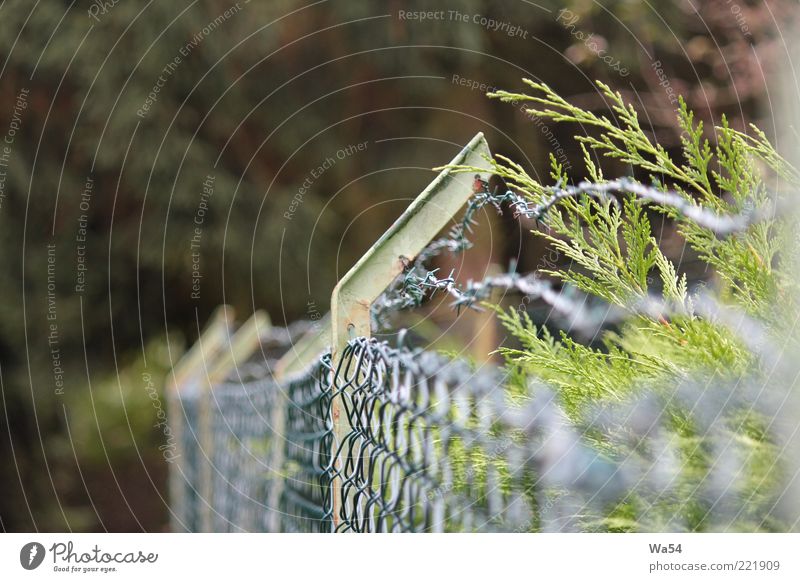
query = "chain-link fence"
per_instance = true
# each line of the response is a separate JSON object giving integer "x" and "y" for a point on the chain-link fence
{"x": 431, "y": 444}
{"x": 339, "y": 433}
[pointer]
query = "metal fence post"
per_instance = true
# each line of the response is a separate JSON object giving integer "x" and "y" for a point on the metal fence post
{"x": 236, "y": 351}
{"x": 188, "y": 371}
{"x": 242, "y": 345}
{"x": 353, "y": 296}
{"x": 306, "y": 350}
{"x": 213, "y": 357}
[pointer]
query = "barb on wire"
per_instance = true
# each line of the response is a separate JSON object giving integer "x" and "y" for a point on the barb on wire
{"x": 572, "y": 306}
{"x": 418, "y": 282}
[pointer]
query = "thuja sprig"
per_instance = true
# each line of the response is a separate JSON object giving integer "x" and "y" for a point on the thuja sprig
{"x": 717, "y": 195}
{"x": 732, "y": 331}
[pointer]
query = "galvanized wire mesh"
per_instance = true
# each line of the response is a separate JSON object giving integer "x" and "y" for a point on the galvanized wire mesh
{"x": 419, "y": 423}
{"x": 243, "y": 455}
{"x": 184, "y": 475}
{"x": 226, "y": 467}
{"x": 421, "y": 452}
{"x": 431, "y": 444}
{"x": 305, "y": 501}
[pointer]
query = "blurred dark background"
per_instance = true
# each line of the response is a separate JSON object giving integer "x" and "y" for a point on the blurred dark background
{"x": 153, "y": 160}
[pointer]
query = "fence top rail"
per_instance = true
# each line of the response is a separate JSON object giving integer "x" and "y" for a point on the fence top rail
{"x": 355, "y": 293}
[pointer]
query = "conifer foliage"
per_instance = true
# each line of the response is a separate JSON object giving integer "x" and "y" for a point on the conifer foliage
{"x": 717, "y": 350}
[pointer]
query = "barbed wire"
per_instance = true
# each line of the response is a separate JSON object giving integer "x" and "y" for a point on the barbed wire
{"x": 722, "y": 224}
{"x": 419, "y": 283}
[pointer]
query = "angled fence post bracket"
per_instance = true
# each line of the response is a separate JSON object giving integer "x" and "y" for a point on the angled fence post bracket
{"x": 430, "y": 212}
{"x": 353, "y": 296}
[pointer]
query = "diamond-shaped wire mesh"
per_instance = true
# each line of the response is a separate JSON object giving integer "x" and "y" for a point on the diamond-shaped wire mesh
{"x": 430, "y": 444}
